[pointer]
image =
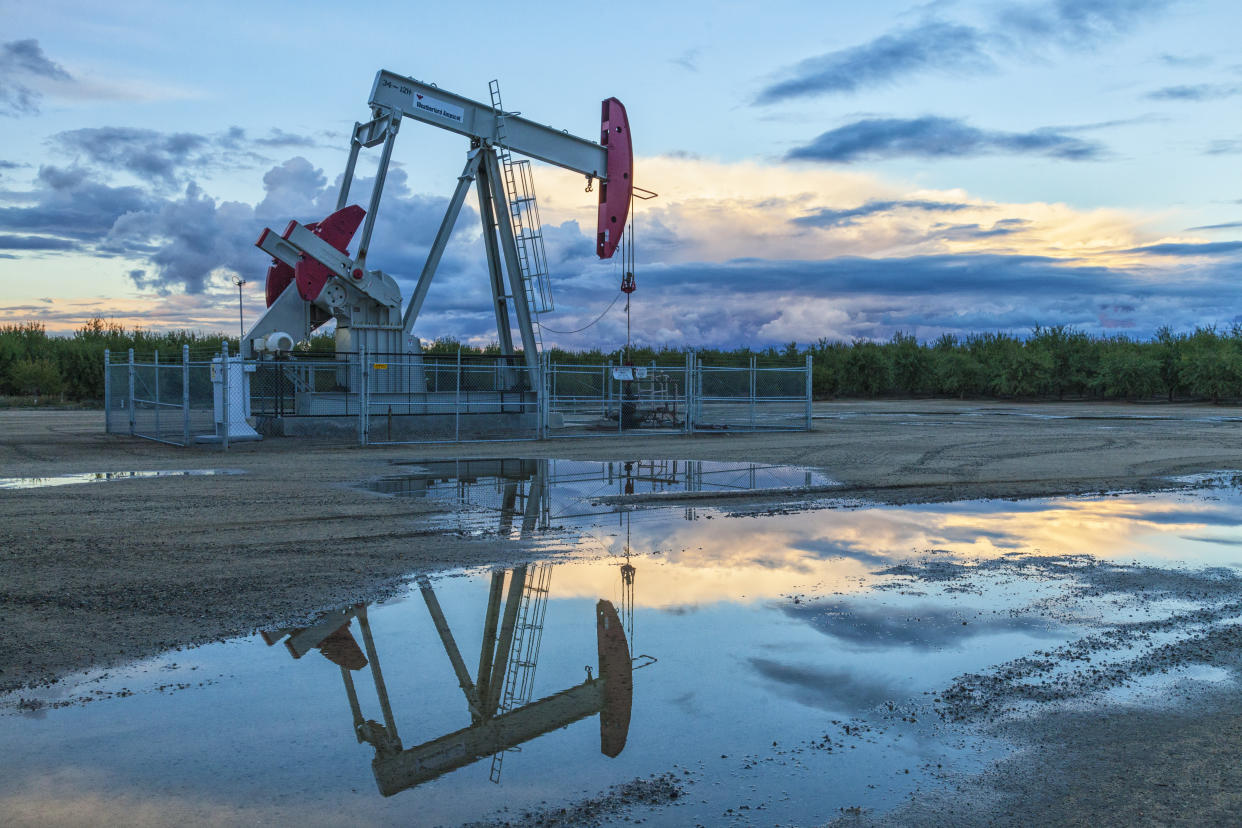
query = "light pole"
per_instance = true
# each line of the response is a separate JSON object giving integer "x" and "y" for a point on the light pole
{"x": 241, "y": 324}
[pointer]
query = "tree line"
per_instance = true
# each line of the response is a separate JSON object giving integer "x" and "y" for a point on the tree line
{"x": 1056, "y": 362}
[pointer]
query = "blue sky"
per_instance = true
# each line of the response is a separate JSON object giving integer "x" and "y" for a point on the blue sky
{"x": 824, "y": 169}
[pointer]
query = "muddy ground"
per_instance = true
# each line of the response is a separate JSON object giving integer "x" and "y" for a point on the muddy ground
{"x": 96, "y": 574}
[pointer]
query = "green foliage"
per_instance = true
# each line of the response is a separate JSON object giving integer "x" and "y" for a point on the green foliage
{"x": 1057, "y": 362}
{"x": 35, "y": 377}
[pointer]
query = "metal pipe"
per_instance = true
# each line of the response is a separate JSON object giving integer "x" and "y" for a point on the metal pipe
{"x": 354, "y": 706}
{"x": 517, "y": 583}
{"x": 381, "y": 689}
{"x": 464, "y": 181}
{"x": 381, "y": 173}
{"x": 450, "y": 645}
{"x": 348, "y": 179}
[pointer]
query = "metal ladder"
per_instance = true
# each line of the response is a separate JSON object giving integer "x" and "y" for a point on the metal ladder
{"x": 524, "y": 654}
{"x": 524, "y": 218}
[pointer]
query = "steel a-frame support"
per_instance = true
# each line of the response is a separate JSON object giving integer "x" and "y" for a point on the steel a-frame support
{"x": 508, "y": 285}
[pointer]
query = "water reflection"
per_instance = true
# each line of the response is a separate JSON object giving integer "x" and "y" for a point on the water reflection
{"x": 100, "y": 477}
{"x": 546, "y": 492}
{"x": 498, "y": 699}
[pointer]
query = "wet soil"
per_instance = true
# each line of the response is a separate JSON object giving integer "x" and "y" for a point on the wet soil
{"x": 100, "y": 573}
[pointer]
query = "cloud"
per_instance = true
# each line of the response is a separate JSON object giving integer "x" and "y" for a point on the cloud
{"x": 1075, "y": 22}
{"x": 826, "y": 217}
{"x": 1194, "y": 92}
{"x": 22, "y": 61}
{"x": 1229, "y": 225}
{"x": 152, "y": 156}
{"x": 931, "y": 45}
{"x": 277, "y": 137}
{"x": 936, "y": 137}
{"x": 1225, "y": 146}
{"x": 939, "y": 45}
{"x": 8, "y": 242}
{"x": 688, "y": 60}
{"x": 70, "y": 202}
{"x": 1189, "y": 248}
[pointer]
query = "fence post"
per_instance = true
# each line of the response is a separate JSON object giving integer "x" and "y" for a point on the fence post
{"x": 687, "y": 382}
{"x": 185, "y": 394}
{"x": 364, "y": 404}
{"x": 107, "y": 393}
{"x": 457, "y": 402}
{"x": 752, "y": 392}
{"x": 157, "y": 395}
{"x": 541, "y": 401}
{"x": 698, "y": 388}
{"x": 224, "y": 395}
{"x": 809, "y": 397}
{"x": 131, "y": 392}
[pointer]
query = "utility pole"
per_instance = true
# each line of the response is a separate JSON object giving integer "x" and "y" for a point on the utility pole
{"x": 241, "y": 324}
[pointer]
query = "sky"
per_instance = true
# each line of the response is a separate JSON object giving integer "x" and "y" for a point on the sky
{"x": 825, "y": 169}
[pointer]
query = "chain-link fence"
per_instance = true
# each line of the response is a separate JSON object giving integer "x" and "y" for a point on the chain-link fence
{"x": 427, "y": 398}
{"x": 432, "y": 398}
{"x": 755, "y": 397}
{"x": 581, "y": 400}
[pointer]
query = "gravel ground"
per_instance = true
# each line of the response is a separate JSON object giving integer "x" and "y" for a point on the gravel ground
{"x": 101, "y": 573}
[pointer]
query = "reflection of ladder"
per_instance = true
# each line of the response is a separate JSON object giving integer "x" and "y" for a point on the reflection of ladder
{"x": 523, "y": 216}
{"x": 524, "y": 653}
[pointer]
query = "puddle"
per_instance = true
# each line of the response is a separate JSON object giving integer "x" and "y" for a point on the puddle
{"x": 531, "y": 495}
{"x": 748, "y": 669}
{"x": 100, "y": 477}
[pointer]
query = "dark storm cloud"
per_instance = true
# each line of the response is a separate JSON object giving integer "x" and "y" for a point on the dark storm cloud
{"x": 832, "y": 690}
{"x": 931, "y": 45}
{"x": 849, "y": 217}
{"x": 936, "y": 137}
{"x": 20, "y": 61}
{"x": 937, "y": 45}
{"x": 1194, "y": 92}
{"x": 1189, "y": 248}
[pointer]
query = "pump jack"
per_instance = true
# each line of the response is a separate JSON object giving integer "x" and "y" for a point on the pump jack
{"x": 313, "y": 278}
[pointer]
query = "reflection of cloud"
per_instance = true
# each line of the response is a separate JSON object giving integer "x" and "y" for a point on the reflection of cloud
{"x": 832, "y": 690}
{"x": 761, "y": 558}
{"x": 924, "y": 627}
{"x": 76, "y": 796}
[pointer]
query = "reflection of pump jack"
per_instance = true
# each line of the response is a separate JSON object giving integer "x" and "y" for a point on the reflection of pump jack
{"x": 493, "y": 728}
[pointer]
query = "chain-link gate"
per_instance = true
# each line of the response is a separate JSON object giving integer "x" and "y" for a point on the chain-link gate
{"x": 161, "y": 399}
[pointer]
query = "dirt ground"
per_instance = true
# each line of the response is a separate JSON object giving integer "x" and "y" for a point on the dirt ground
{"x": 96, "y": 574}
